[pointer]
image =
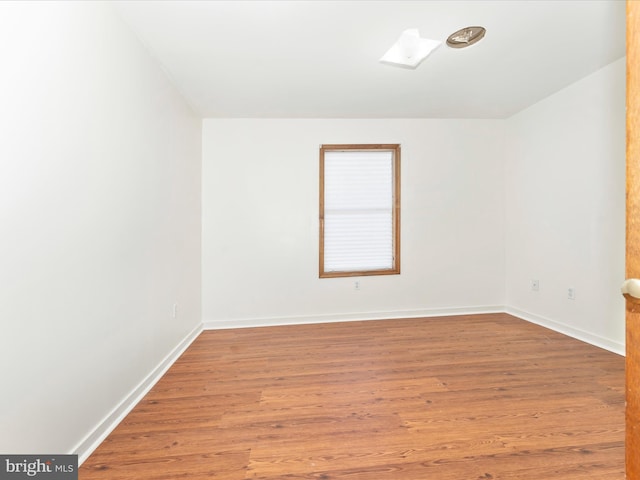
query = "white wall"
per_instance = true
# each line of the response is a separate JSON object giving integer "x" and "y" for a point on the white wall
{"x": 99, "y": 220}
{"x": 565, "y": 197}
{"x": 260, "y": 221}
{"x": 486, "y": 205}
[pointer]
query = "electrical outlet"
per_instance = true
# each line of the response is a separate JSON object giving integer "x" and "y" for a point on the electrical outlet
{"x": 174, "y": 310}
{"x": 571, "y": 293}
{"x": 356, "y": 285}
{"x": 535, "y": 285}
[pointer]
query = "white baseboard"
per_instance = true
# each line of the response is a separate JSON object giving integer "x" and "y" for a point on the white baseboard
{"x": 111, "y": 421}
{"x": 348, "y": 317}
{"x": 108, "y": 424}
{"x": 596, "y": 340}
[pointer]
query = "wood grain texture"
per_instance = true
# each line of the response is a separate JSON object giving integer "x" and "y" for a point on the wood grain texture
{"x": 633, "y": 240}
{"x": 449, "y": 398}
{"x": 395, "y": 269}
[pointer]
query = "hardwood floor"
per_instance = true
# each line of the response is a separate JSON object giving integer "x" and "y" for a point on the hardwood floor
{"x": 449, "y": 398}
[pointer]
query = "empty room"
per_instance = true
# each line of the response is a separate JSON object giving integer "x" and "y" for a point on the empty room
{"x": 314, "y": 239}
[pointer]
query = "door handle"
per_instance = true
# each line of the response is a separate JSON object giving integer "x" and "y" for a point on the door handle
{"x": 631, "y": 289}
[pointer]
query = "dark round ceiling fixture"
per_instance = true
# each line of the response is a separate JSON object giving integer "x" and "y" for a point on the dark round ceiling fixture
{"x": 466, "y": 37}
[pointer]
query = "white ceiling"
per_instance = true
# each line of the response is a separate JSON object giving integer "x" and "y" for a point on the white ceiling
{"x": 319, "y": 59}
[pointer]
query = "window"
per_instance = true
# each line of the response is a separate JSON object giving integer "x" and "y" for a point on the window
{"x": 359, "y": 210}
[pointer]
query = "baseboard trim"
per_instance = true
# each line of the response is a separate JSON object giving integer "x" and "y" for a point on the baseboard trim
{"x": 348, "y": 317}
{"x": 590, "y": 338}
{"x": 111, "y": 421}
{"x": 596, "y": 340}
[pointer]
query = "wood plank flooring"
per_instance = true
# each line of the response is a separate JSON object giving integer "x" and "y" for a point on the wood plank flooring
{"x": 450, "y": 398}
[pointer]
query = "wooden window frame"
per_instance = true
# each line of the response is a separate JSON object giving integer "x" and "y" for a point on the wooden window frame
{"x": 395, "y": 149}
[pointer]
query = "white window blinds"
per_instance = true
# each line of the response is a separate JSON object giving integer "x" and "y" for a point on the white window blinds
{"x": 359, "y": 218}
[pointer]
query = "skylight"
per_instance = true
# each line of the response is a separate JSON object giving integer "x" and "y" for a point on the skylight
{"x": 409, "y": 50}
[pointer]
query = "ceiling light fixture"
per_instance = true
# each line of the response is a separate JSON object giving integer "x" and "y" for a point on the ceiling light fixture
{"x": 410, "y": 50}
{"x": 466, "y": 37}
